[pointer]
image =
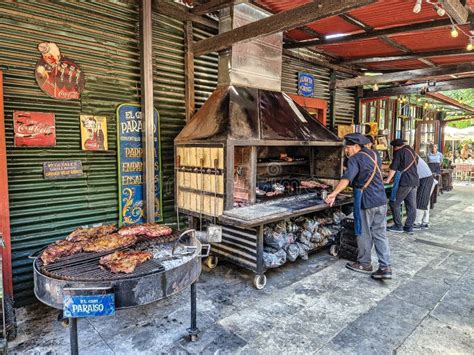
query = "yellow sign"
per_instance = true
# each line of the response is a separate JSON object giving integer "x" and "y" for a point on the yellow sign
{"x": 94, "y": 132}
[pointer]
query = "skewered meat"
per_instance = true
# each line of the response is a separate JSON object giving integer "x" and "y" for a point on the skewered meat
{"x": 150, "y": 230}
{"x": 311, "y": 184}
{"x": 110, "y": 242}
{"x": 124, "y": 261}
{"x": 60, "y": 249}
{"x": 86, "y": 234}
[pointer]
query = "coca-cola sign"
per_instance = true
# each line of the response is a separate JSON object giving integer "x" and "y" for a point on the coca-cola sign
{"x": 34, "y": 129}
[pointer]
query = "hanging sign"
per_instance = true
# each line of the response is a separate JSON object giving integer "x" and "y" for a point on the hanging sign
{"x": 89, "y": 306}
{"x": 34, "y": 129}
{"x": 130, "y": 153}
{"x": 58, "y": 76}
{"x": 69, "y": 169}
{"x": 305, "y": 84}
{"x": 93, "y": 132}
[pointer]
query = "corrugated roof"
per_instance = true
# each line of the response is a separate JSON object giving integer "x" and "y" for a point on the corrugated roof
{"x": 396, "y": 64}
{"x": 333, "y": 25}
{"x": 453, "y": 59}
{"x": 364, "y": 48}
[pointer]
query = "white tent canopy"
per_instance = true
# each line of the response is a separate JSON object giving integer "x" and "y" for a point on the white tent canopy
{"x": 458, "y": 134}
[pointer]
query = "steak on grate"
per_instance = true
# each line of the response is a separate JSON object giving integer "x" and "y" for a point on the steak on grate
{"x": 151, "y": 230}
{"x": 86, "y": 234}
{"x": 60, "y": 249}
{"x": 109, "y": 242}
{"x": 124, "y": 261}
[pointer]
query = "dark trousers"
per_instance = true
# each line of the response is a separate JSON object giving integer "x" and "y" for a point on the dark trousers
{"x": 405, "y": 194}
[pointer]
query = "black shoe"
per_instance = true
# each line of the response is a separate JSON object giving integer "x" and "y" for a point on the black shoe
{"x": 408, "y": 230}
{"x": 382, "y": 273}
{"x": 355, "y": 266}
{"x": 424, "y": 226}
{"x": 394, "y": 228}
{"x": 417, "y": 227}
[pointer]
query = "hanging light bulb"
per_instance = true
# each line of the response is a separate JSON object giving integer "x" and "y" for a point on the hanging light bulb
{"x": 439, "y": 10}
{"x": 417, "y": 7}
{"x": 418, "y": 99}
{"x": 375, "y": 87}
{"x": 454, "y": 32}
{"x": 469, "y": 45}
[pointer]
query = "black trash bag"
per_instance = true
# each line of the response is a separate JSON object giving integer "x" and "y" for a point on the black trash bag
{"x": 292, "y": 252}
{"x": 275, "y": 240}
{"x": 271, "y": 260}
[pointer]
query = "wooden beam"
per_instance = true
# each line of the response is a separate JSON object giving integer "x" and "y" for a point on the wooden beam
{"x": 356, "y": 22}
{"x": 213, "y": 5}
{"x": 416, "y": 88}
{"x": 405, "y": 75}
{"x": 280, "y": 22}
{"x": 189, "y": 70}
{"x": 373, "y": 34}
{"x": 181, "y": 13}
{"x": 395, "y": 44}
{"x": 417, "y": 55}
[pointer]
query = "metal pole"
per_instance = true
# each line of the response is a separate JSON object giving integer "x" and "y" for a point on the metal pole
{"x": 73, "y": 336}
{"x": 147, "y": 110}
{"x": 193, "y": 331}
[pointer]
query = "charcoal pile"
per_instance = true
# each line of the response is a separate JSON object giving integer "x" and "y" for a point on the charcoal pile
{"x": 291, "y": 239}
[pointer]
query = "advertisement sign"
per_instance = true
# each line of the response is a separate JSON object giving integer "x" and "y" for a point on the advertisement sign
{"x": 34, "y": 129}
{"x": 89, "y": 306}
{"x": 93, "y": 132}
{"x": 69, "y": 169}
{"x": 305, "y": 84}
{"x": 130, "y": 169}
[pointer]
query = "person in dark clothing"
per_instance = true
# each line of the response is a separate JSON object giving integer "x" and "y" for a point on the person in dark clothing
{"x": 364, "y": 174}
{"x": 404, "y": 170}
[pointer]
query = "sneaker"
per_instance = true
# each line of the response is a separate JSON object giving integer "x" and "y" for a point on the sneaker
{"x": 417, "y": 226}
{"x": 365, "y": 269}
{"x": 394, "y": 228}
{"x": 382, "y": 273}
{"x": 408, "y": 230}
{"x": 424, "y": 226}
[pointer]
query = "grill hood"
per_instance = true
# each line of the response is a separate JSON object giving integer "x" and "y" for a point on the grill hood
{"x": 248, "y": 107}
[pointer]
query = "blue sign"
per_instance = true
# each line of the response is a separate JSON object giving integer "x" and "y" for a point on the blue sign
{"x": 89, "y": 306}
{"x": 305, "y": 84}
{"x": 130, "y": 171}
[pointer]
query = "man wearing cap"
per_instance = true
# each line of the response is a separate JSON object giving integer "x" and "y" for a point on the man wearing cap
{"x": 363, "y": 173}
{"x": 404, "y": 169}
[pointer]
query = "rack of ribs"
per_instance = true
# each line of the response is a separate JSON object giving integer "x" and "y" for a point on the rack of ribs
{"x": 124, "y": 261}
{"x": 109, "y": 242}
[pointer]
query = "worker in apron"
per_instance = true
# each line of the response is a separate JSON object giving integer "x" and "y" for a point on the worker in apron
{"x": 406, "y": 180}
{"x": 364, "y": 175}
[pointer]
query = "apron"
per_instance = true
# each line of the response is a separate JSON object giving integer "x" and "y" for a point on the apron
{"x": 397, "y": 177}
{"x": 435, "y": 167}
{"x": 357, "y": 192}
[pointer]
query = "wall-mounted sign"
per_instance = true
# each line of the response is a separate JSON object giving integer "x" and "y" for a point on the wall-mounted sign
{"x": 93, "y": 132}
{"x": 34, "y": 129}
{"x": 62, "y": 169}
{"x": 305, "y": 84}
{"x": 89, "y": 305}
{"x": 130, "y": 153}
{"x": 58, "y": 76}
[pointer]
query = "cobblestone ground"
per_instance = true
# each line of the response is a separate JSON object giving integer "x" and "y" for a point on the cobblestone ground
{"x": 313, "y": 306}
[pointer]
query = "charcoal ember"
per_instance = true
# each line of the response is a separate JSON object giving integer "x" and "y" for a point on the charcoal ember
{"x": 306, "y": 242}
{"x": 338, "y": 217}
{"x": 290, "y": 238}
{"x": 316, "y": 237}
{"x": 275, "y": 240}
{"x": 280, "y": 227}
{"x": 272, "y": 260}
{"x": 310, "y": 225}
{"x": 303, "y": 250}
{"x": 325, "y": 231}
{"x": 324, "y": 220}
{"x": 292, "y": 252}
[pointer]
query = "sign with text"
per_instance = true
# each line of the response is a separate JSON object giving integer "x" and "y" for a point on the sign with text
{"x": 130, "y": 160}
{"x": 69, "y": 169}
{"x": 305, "y": 84}
{"x": 89, "y": 306}
{"x": 34, "y": 129}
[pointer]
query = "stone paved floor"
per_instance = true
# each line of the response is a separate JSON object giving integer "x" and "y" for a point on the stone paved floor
{"x": 313, "y": 306}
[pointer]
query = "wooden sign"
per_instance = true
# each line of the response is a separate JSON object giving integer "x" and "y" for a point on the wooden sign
{"x": 69, "y": 169}
{"x": 58, "y": 76}
{"x": 34, "y": 129}
{"x": 94, "y": 132}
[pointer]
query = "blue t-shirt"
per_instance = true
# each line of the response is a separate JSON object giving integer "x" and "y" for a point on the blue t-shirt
{"x": 358, "y": 172}
{"x": 435, "y": 157}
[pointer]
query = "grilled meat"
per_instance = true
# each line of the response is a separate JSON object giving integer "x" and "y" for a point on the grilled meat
{"x": 86, "y": 234}
{"x": 60, "y": 249}
{"x": 124, "y": 261}
{"x": 311, "y": 184}
{"x": 151, "y": 230}
{"x": 109, "y": 242}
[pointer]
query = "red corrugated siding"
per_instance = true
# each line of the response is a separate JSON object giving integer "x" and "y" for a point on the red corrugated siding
{"x": 332, "y": 25}
{"x": 299, "y": 35}
{"x": 397, "y": 64}
{"x": 453, "y": 59}
{"x": 281, "y": 5}
{"x": 364, "y": 48}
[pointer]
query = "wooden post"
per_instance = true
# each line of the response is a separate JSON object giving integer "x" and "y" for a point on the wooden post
{"x": 189, "y": 69}
{"x": 147, "y": 110}
{"x": 357, "y": 108}
{"x": 332, "y": 101}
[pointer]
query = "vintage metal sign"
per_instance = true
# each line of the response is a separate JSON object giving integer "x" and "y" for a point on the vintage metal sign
{"x": 94, "y": 132}
{"x": 305, "y": 84}
{"x": 89, "y": 306}
{"x": 58, "y": 76}
{"x": 130, "y": 153}
{"x": 34, "y": 129}
{"x": 62, "y": 169}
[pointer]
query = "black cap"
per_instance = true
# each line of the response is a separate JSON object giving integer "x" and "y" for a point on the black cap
{"x": 355, "y": 138}
{"x": 398, "y": 142}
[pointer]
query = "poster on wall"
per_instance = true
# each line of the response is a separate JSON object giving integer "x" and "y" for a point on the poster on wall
{"x": 130, "y": 170}
{"x": 305, "y": 84}
{"x": 94, "y": 132}
{"x": 34, "y": 129}
{"x": 57, "y": 75}
{"x": 56, "y": 170}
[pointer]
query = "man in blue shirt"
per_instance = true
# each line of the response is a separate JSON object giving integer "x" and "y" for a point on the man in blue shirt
{"x": 364, "y": 175}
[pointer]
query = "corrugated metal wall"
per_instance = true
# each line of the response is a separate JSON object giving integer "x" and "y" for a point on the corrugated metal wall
{"x": 345, "y": 103}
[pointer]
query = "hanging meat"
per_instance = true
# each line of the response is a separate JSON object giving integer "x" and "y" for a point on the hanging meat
{"x": 124, "y": 261}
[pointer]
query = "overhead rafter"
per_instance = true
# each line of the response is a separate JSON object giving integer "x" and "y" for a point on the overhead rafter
{"x": 356, "y": 22}
{"x": 280, "y": 22}
{"x": 450, "y": 101}
{"x": 405, "y": 75}
{"x": 181, "y": 13}
{"x": 417, "y": 88}
{"x": 373, "y": 34}
{"x": 400, "y": 47}
{"x": 213, "y": 5}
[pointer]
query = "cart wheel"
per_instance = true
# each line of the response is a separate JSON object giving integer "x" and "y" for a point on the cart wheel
{"x": 334, "y": 250}
{"x": 259, "y": 281}
{"x": 211, "y": 261}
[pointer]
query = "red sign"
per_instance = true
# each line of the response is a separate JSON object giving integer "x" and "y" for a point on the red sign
{"x": 34, "y": 129}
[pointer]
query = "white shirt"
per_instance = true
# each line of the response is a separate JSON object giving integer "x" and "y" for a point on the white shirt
{"x": 423, "y": 169}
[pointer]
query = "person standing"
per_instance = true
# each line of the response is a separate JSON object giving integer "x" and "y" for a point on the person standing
{"x": 364, "y": 174}
{"x": 423, "y": 195}
{"x": 435, "y": 159}
{"x": 405, "y": 184}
